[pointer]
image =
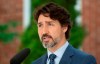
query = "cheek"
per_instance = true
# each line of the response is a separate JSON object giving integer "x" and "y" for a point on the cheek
{"x": 56, "y": 33}
{"x": 39, "y": 33}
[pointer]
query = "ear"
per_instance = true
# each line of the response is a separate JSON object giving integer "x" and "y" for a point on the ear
{"x": 65, "y": 28}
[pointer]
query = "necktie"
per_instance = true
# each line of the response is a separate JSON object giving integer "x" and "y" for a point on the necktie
{"x": 52, "y": 57}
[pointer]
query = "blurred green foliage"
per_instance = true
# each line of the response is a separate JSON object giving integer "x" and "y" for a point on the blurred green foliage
{"x": 6, "y": 33}
{"x": 30, "y": 37}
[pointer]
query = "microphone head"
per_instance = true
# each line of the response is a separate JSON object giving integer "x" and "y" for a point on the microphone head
{"x": 18, "y": 58}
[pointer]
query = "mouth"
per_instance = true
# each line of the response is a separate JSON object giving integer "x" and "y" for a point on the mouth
{"x": 45, "y": 39}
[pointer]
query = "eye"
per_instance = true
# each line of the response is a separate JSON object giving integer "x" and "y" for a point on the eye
{"x": 50, "y": 24}
{"x": 39, "y": 25}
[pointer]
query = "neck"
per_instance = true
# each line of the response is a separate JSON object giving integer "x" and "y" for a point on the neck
{"x": 60, "y": 44}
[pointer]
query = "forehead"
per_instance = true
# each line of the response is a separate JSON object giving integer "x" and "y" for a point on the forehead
{"x": 43, "y": 18}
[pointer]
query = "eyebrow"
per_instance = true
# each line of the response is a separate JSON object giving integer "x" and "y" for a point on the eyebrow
{"x": 46, "y": 22}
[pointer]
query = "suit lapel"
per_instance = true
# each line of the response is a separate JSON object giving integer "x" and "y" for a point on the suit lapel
{"x": 44, "y": 59}
{"x": 66, "y": 58}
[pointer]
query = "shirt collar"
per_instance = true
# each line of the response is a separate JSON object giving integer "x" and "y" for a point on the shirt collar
{"x": 59, "y": 52}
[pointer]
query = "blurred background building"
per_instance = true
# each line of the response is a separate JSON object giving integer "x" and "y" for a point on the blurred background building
{"x": 9, "y": 11}
{"x": 91, "y": 21}
{"x": 19, "y": 11}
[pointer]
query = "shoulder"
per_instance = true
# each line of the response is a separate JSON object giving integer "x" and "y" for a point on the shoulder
{"x": 39, "y": 60}
{"x": 83, "y": 57}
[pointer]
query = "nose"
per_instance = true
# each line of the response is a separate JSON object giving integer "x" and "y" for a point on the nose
{"x": 45, "y": 30}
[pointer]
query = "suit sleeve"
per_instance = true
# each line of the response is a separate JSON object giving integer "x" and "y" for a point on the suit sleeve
{"x": 90, "y": 60}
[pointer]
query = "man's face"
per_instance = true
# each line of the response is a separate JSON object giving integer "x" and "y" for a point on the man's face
{"x": 50, "y": 31}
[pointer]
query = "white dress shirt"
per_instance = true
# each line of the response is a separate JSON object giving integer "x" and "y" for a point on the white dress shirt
{"x": 59, "y": 53}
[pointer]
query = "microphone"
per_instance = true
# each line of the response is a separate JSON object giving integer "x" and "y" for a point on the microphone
{"x": 18, "y": 58}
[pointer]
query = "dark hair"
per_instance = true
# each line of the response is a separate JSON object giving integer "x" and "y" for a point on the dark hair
{"x": 55, "y": 12}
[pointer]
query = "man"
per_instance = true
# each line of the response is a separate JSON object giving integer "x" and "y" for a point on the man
{"x": 54, "y": 26}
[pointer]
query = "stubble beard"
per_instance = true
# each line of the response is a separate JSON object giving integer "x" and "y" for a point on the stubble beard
{"x": 50, "y": 44}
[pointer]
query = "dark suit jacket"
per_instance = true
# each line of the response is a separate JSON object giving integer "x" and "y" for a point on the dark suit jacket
{"x": 70, "y": 56}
